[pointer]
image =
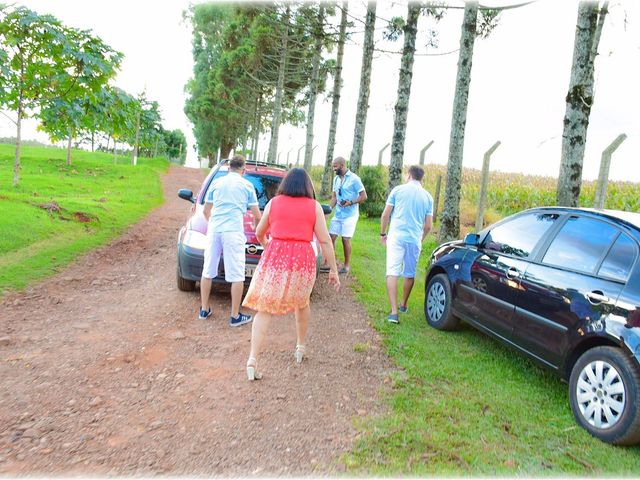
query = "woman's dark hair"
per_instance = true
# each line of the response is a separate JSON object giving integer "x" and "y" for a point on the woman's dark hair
{"x": 297, "y": 183}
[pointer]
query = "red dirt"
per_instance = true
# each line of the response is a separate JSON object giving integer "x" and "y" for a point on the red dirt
{"x": 106, "y": 371}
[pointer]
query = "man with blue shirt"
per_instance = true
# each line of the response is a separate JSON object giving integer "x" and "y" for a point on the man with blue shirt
{"x": 409, "y": 216}
{"x": 226, "y": 202}
{"x": 348, "y": 193}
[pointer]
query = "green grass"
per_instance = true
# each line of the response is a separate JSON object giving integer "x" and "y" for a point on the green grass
{"x": 463, "y": 404}
{"x": 97, "y": 200}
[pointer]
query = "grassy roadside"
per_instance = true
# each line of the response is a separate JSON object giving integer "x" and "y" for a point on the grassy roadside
{"x": 58, "y": 212}
{"x": 465, "y": 405}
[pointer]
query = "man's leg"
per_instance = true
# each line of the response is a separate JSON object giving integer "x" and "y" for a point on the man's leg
{"x": 392, "y": 292}
{"x": 205, "y": 291}
{"x": 236, "y": 297}
{"x": 410, "y": 266}
{"x": 407, "y": 286}
{"x": 346, "y": 245}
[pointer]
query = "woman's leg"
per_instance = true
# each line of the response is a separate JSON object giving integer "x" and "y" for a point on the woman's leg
{"x": 258, "y": 332}
{"x": 302, "y": 323}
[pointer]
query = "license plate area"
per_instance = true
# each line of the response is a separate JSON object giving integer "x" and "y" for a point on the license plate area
{"x": 249, "y": 270}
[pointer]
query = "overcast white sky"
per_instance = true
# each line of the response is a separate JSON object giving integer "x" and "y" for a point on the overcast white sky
{"x": 519, "y": 80}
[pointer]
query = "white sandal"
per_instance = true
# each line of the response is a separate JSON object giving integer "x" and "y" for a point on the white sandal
{"x": 252, "y": 369}
{"x": 299, "y": 353}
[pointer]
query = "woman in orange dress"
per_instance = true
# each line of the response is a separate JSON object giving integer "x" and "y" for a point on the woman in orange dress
{"x": 284, "y": 278}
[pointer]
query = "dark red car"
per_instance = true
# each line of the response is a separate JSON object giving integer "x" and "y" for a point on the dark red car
{"x": 266, "y": 179}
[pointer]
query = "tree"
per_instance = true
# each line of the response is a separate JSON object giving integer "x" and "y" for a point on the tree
{"x": 43, "y": 61}
{"x": 275, "y": 121}
{"x": 175, "y": 144}
{"x": 472, "y": 26}
{"x": 579, "y": 100}
{"x": 410, "y": 30}
{"x": 318, "y": 34}
{"x": 335, "y": 103}
{"x": 365, "y": 82}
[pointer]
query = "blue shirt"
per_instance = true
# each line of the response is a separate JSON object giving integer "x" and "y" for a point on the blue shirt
{"x": 347, "y": 188}
{"x": 231, "y": 196}
{"x": 411, "y": 204}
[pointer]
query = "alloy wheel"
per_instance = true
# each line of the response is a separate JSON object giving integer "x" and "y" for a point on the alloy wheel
{"x": 600, "y": 394}
{"x": 436, "y": 301}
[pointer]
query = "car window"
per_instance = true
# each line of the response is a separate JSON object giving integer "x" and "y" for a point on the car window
{"x": 519, "y": 236}
{"x": 619, "y": 260}
{"x": 580, "y": 244}
{"x": 266, "y": 186}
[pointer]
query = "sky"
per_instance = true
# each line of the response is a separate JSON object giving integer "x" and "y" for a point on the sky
{"x": 520, "y": 77}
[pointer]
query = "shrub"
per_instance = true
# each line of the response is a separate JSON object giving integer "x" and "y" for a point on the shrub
{"x": 373, "y": 179}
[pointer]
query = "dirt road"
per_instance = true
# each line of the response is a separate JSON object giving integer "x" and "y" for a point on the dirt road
{"x": 105, "y": 370}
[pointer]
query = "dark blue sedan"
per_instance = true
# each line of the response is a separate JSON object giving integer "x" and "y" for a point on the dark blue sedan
{"x": 561, "y": 285}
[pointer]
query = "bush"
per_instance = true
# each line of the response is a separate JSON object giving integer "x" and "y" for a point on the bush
{"x": 373, "y": 179}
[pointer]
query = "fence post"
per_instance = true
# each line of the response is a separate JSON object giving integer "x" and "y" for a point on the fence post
{"x": 288, "y": 156}
{"x": 603, "y": 177}
{"x": 298, "y": 157}
{"x": 436, "y": 198}
{"x": 483, "y": 185}
{"x": 264, "y": 157}
{"x": 380, "y": 153}
{"x": 422, "y": 152}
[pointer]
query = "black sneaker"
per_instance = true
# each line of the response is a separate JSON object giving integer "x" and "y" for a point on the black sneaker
{"x": 241, "y": 319}
{"x": 204, "y": 314}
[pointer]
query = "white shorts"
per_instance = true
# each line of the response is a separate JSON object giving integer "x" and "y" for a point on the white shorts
{"x": 343, "y": 227}
{"x": 232, "y": 244}
{"x": 402, "y": 258}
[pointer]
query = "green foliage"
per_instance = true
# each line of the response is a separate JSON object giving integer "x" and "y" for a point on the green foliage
{"x": 59, "y": 212}
{"x": 374, "y": 181}
{"x": 459, "y": 403}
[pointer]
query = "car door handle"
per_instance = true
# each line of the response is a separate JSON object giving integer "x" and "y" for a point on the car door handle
{"x": 597, "y": 297}
{"x": 513, "y": 273}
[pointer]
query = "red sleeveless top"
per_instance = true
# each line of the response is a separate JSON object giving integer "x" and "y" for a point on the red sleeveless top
{"x": 292, "y": 218}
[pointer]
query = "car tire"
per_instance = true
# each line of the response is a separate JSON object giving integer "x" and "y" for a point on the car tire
{"x": 437, "y": 304}
{"x": 604, "y": 392}
{"x": 184, "y": 285}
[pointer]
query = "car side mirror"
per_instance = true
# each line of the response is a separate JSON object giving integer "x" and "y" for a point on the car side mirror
{"x": 186, "y": 194}
{"x": 472, "y": 239}
{"x": 326, "y": 209}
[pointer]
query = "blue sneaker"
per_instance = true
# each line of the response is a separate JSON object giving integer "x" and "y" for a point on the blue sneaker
{"x": 241, "y": 319}
{"x": 402, "y": 309}
{"x": 393, "y": 318}
{"x": 204, "y": 314}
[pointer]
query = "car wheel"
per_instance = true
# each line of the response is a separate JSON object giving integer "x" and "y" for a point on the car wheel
{"x": 479, "y": 283}
{"x": 437, "y": 304}
{"x": 184, "y": 285}
{"x": 604, "y": 394}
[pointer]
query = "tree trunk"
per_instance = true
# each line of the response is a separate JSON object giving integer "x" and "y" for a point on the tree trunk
{"x": 69, "y": 141}
{"x": 404, "y": 92}
{"x": 579, "y": 102}
{"x": 115, "y": 150}
{"x": 327, "y": 175}
{"x": 313, "y": 89}
{"x": 93, "y": 141}
{"x": 16, "y": 165}
{"x": 365, "y": 81}
{"x": 225, "y": 150}
{"x": 107, "y": 147}
{"x": 256, "y": 129}
{"x": 135, "y": 145}
{"x": 277, "y": 108}
{"x": 450, "y": 219}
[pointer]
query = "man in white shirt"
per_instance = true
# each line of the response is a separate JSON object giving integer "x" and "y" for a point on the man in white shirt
{"x": 409, "y": 216}
{"x": 226, "y": 202}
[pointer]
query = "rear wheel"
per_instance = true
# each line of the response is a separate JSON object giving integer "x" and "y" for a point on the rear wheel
{"x": 184, "y": 285}
{"x": 604, "y": 390}
{"x": 437, "y": 304}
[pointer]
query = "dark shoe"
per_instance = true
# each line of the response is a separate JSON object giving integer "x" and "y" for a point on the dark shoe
{"x": 403, "y": 309}
{"x": 241, "y": 319}
{"x": 324, "y": 269}
{"x": 204, "y": 314}
{"x": 343, "y": 270}
{"x": 393, "y": 318}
